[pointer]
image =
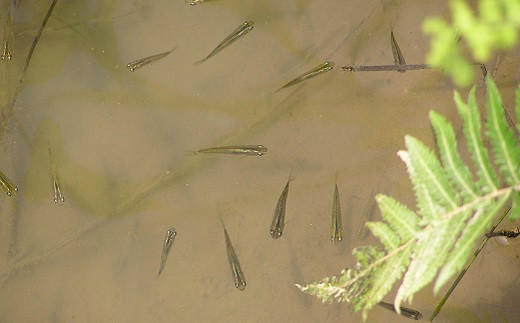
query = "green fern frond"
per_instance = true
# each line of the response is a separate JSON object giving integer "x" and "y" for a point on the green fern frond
{"x": 474, "y": 230}
{"x": 487, "y": 178}
{"x": 382, "y": 231}
{"x": 458, "y": 173}
{"x": 505, "y": 148}
{"x": 434, "y": 245}
{"x": 453, "y": 211}
{"x": 384, "y": 278}
{"x": 428, "y": 209}
{"x": 429, "y": 173}
{"x": 400, "y": 218}
{"x": 517, "y": 108}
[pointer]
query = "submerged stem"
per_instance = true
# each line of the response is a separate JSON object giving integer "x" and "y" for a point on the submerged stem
{"x": 9, "y": 110}
{"x": 463, "y": 272}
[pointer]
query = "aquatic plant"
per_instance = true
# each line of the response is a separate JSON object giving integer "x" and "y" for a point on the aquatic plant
{"x": 495, "y": 28}
{"x": 454, "y": 210}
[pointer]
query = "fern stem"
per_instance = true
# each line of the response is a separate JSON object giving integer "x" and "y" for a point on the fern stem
{"x": 472, "y": 204}
{"x": 463, "y": 272}
{"x": 377, "y": 262}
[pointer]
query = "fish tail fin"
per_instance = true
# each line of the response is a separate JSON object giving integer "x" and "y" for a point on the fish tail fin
{"x": 189, "y": 152}
{"x": 290, "y": 178}
{"x": 200, "y": 61}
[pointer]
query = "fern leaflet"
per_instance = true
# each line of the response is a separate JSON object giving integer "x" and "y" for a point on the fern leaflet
{"x": 453, "y": 211}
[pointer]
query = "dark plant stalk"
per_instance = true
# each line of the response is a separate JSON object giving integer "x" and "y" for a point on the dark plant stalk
{"x": 404, "y": 67}
{"x": 505, "y": 233}
{"x": 463, "y": 272}
{"x": 384, "y": 68}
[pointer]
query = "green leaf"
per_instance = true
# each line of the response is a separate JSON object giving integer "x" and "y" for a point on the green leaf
{"x": 515, "y": 210}
{"x": 437, "y": 243}
{"x": 428, "y": 172}
{"x": 517, "y": 108}
{"x": 388, "y": 238}
{"x": 400, "y": 218}
{"x": 445, "y": 234}
{"x": 458, "y": 172}
{"x": 505, "y": 146}
{"x": 366, "y": 254}
{"x": 487, "y": 178}
{"x": 475, "y": 229}
{"x": 384, "y": 279}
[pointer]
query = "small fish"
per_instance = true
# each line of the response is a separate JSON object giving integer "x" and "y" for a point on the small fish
{"x": 238, "y": 276}
{"x": 147, "y": 60}
{"x": 336, "y": 230}
{"x": 241, "y": 150}
{"x": 56, "y": 186}
{"x": 320, "y": 69}
{"x": 7, "y": 186}
{"x": 168, "y": 242}
{"x": 396, "y": 51}
{"x": 194, "y": 2}
{"x": 405, "y": 311}
{"x": 8, "y": 41}
{"x": 240, "y": 31}
{"x": 278, "y": 223}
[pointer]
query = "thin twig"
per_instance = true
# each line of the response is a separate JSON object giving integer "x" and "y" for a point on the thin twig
{"x": 383, "y": 68}
{"x": 9, "y": 110}
{"x": 403, "y": 67}
{"x": 463, "y": 272}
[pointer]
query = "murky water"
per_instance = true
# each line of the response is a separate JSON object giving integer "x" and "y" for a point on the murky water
{"x": 119, "y": 141}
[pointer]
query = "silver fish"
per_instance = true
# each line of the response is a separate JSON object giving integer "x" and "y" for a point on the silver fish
{"x": 132, "y": 66}
{"x": 242, "y": 150}
{"x": 7, "y": 44}
{"x": 7, "y": 186}
{"x": 405, "y": 311}
{"x": 396, "y": 52}
{"x": 278, "y": 223}
{"x": 336, "y": 229}
{"x": 238, "y": 276}
{"x": 240, "y": 31}
{"x": 56, "y": 186}
{"x": 320, "y": 69}
{"x": 168, "y": 242}
{"x": 194, "y": 2}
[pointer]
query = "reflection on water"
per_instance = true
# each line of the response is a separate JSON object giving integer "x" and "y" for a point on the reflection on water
{"x": 118, "y": 142}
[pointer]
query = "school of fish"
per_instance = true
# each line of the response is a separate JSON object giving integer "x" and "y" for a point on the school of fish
{"x": 278, "y": 222}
